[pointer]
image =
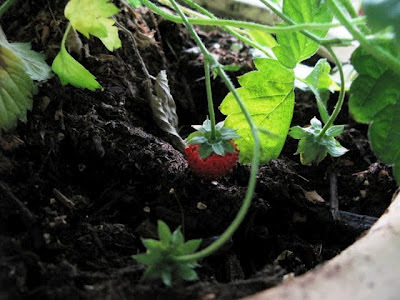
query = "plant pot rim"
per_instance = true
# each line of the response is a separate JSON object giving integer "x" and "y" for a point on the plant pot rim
{"x": 368, "y": 269}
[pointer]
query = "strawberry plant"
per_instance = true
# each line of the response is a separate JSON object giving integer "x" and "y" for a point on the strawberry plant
{"x": 259, "y": 113}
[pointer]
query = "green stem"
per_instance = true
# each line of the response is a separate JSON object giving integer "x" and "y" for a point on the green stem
{"x": 243, "y": 24}
{"x": 6, "y": 5}
{"x": 65, "y": 35}
{"x": 291, "y": 23}
{"x": 256, "y": 153}
{"x": 209, "y": 97}
{"x": 228, "y": 29}
{"x": 354, "y": 14}
{"x": 376, "y": 51}
{"x": 339, "y": 104}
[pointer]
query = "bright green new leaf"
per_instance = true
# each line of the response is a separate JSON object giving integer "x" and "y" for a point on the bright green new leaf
{"x": 92, "y": 17}
{"x": 374, "y": 88}
{"x": 15, "y": 89}
{"x": 268, "y": 95}
{"x": 383, "y": 13}
{"x": 320, "y": 83}
{"x": 384, "y": 135}
{"x": 294, "y": 47}
{"x": 72, "y": 72}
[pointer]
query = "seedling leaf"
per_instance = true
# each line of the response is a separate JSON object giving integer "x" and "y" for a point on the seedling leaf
{"x": 270, "y": 103}
{"x": 92, "y": 17}
{"x": 189, "y": 247}
{"x": 164, "y": 233}
{"x": 15, "y": 89}
{"x": 72, "y": 72}
{"x": 294, "y": 47}
{"x": 161, "y": 256}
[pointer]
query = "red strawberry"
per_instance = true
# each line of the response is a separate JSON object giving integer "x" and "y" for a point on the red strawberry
{"x": 213, "y": 166}
{"x": 212, "y": 155}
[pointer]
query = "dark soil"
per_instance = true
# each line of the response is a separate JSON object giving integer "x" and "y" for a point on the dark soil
{"x": 90, "y": 173}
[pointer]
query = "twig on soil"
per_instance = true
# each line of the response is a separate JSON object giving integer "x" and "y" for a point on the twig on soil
{"x": 27, "y": 216}
{"x": 355, "y": 221}
{"x": 334, "y": 202}
{"x": 64, "y": 200}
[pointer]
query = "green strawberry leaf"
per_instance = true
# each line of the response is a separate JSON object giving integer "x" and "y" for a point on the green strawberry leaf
{"x": 15, "y": 89}
{"x": 383, "y": 13}
{"x": 35, "y": 64}
{"x": 268, "y": 95}
{"x": 375, "y": 99}
{"x": 294, "y": 47}
{"x": 92, "y": 17}
{"x": 384, "y": 135}
{"x": 374, "y": 88}
{"x": 72, "y": 72}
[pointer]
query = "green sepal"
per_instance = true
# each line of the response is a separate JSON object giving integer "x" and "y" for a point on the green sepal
{"x": 205, "y": 150}
{"x": 220, "y": 145}
{"x": 164, "y": 233}
{"x": 313, "y": 148}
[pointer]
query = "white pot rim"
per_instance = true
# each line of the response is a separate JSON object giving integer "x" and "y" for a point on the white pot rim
{"x": 368, "y": 269}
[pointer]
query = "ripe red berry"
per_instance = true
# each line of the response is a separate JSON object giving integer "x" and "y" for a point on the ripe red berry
{"x": 213, "y": 166}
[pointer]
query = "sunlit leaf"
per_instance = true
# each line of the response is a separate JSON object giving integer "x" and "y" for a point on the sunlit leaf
{"x": 294, "y": 47}
{"x": 268, "y": 95}
{"x": 72, "y": 72}
{"x": 92, "y": 17}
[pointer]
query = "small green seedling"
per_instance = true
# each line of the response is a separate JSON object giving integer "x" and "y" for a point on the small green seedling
{"x": 161, "y": 256}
